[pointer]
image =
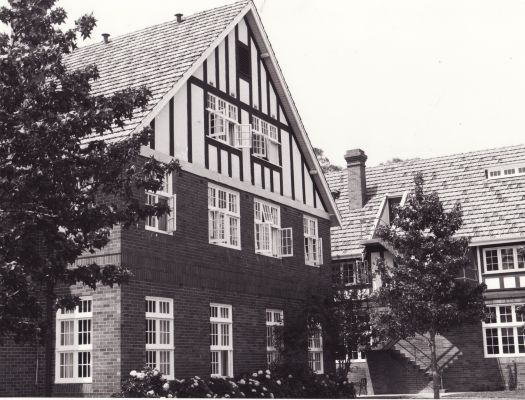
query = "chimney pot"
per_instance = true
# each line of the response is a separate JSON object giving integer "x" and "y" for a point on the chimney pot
{"x": 106, "y": 37}
{"x": 179, "y": 17}
{"x": 356, "y": 170}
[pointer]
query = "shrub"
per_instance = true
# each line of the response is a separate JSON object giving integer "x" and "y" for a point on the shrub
{"x": 260, "y": 384}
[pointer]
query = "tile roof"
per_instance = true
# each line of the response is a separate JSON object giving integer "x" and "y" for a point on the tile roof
{"x": 156, "y": 57}
{"x": 492, "y": 208}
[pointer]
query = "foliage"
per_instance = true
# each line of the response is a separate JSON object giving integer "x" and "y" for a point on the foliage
{"x": 324, "y": 162}
{"x": 52, "y": 179}
{"x": 421, "y": 293}
{"x": 260, "y": 384}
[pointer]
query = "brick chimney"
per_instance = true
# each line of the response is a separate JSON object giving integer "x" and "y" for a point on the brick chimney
{"x": 355, "y": 163}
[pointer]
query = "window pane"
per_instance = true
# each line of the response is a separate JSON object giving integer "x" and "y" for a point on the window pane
{"x": 151, "y": 359}
{"x": 164, "y": 331}
{"x": 67, "y": 335}
{"x": 491, "y": 260}
{"x": 214, "y": 336}
{"x": 84, "y": 331}
{"x": 507, "y": 258}
{"x": 164, "y": 364}
{"x": 505, "y": 314}
{"x": 507, "y": 340}
{"x": 151, "y": 329}
{"x": 66, "y": 365}
{"x": 84, "y": 364}
{"x": 491, "y": 315}
{"x": 492, "y": 341}
{"x": 215, "y": 369}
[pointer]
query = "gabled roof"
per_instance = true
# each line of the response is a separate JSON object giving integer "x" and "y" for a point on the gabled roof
{"x": 164, "y": 56}
{"x": 157, "y": 56}
{"x": 492, "y": 208}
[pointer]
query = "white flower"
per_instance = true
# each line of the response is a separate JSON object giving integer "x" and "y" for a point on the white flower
{"x": 254, "y": 374}
{"x": 278, "y": 381}
{"x": 155, "y": 372}
{"x": 253, "y": 390}
{"x": 257, "y": 383}
{"x": 133, "y": 373}
{"x": 195, "y": 384}
{"x": 208, "y": 395}
{"x": 170, "y": 396}
{"x": 271, "y": 395}
{"x": 267, "y": 376}
{"x": 242, "y": 382}
{"x": 140, "y": 375}
{"x": 227, "y": 396}
{"x": 264, "y": 389}
{"x": 151, "y": 393}
{"x": 166, "y": 386}
{"x": 196, "y": 377}
{"x": 290, "y": 376}
{"x": 268, "y": 372}
{"x": 260, "y": 372}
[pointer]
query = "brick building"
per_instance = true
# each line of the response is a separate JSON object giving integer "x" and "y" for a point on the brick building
{"x": 490, "y": 185}
{"x": 249, "y": 233}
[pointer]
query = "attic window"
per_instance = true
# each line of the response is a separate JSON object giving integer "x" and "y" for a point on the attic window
{"x": 505, "y": 171}
{"x": 393, "y": 202}
{"x": 244, "y": 62}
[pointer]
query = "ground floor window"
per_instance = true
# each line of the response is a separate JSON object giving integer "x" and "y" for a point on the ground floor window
{"x": 221, "y": 340}
{"x": 159, "y": 335}
{"x": 74, "y": 330}
{"x": 274, "y": 320}
{"x": 315, "y": 350}
{"x": 503, "y": 331}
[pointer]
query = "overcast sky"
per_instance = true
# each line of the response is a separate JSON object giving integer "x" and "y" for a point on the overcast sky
{"x": 396, "y": 78}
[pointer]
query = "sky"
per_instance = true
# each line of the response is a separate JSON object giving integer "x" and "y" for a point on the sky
{"x": 396, "y": 78}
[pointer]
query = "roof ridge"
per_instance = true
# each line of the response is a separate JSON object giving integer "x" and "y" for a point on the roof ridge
{"x": 165, "y": 23}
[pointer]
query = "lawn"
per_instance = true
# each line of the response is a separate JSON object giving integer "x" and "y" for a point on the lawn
{"x": 504, "y": 394}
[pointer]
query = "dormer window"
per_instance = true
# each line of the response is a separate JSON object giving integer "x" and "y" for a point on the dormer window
{"x": 505, "y": 171}
{"x": 393, "y": 203}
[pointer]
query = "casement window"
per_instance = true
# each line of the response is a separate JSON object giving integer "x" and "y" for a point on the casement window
{"x": 270, "y": 239}
{"x": 164, "y": 223}
{"x": 313, "y": 244}
{"x": 274, "y": 318}
{"x": 221, "y": 341}
{"x": 74, "y": 331}
{"x": 315, "y": 350}
{"x": 349, "y": 273}
{"x": 265, "y": 140}
{"x": 503, "y": 259}
{"x": 224, "y": 217}
{"x": 503, "y": 331}
{"x": 159, "y": 335}
{"x": 223, "y": 123}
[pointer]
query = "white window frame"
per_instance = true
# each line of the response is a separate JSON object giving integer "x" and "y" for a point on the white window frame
{"x": 360, "y": 272}
{"x": 160, "y": 318}
{"x": 265, "y": 140}
{"x": 315, "y": 350}
{"x": 500, "y": 259}
{"x": 505, "y": 171}
{"x": 273, "y": 318}
{"x": 226, "y": 213}
{"x": 165, "y": 193}
{"x": 515, "y": 325}
{"x": 226, "y": 115}
{"x": 270, "y": 239}
{"x": 74, "y": 348}
{"x": 219, "y": 349}
{"x": 313, "y": 244}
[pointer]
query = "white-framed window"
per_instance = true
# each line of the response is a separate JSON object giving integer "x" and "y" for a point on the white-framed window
{"x": 355, "y": 272}
{"x": 501, "y": 171}
{"x": 221, "y": 339}
{"x": 501, "y": 259}
{"x": 223, "y": 123}
{"x": 315, "y": 350}
{"x": 503, "y": 331}
{"x": 224, "y": 217}
{"x": 270, "y": 239}
{"x": 313, "y": 244}
{"x": 74, "y": 332}
{"x": 164, "y": 223}
{"x": 265, "y": 140}
{"x": 159, "y": 335}
{"x": 273, "y": 318}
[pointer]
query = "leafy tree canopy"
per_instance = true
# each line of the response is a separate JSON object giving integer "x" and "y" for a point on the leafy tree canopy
{"x": 325, "y": 163}
{"x": 60, "y": 193}
{"x": 422, "y": 292}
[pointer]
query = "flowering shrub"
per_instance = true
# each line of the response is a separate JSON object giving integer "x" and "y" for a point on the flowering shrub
{"x": 260, "y": 384}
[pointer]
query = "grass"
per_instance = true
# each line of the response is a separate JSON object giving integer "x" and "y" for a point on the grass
{"x": 504, "y": 394}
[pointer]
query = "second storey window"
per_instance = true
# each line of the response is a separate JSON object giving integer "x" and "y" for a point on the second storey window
{"x": 503, "y": 331}
{"x": 159, "y": 335}
{"x": 224, "y": 217}
{"x": 315, "y": 350}
{"x": 503, "y": 259}
{"x": 313, "y": 244}
{"x": 163, "y": 223}
{"x": 354, "y": 272}
{"x": 74, "y": 344}
{"x": 265, "y": 140}
{"x": 274, "y": 318}
{"x": 221, "y": 342}
{"x": 223, "y": 123}
{"x": 270, "y": 239}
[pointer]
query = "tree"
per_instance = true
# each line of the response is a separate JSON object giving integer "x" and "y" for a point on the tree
{"x": 325, "y": 163}
{"x": 421, "y": 293}
{"x": 60, "y": 194}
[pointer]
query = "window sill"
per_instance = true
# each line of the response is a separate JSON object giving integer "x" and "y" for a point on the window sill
{"x": 226, "y": 246}
{"x": 504, "y": 271}
{"x": 149, "y": 228}
{"x": 72, "y": 380}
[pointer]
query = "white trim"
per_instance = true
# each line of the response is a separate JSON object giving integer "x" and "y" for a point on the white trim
{"x": 500, "y": 269}
{"x": 157, "y": 347}
{"x": 234, "y": 183}
{"x": 377, "y": 218}
{"x": 498, "y": 325}
{"x": 499, "y": 240}
{"x": 478, "y": 255}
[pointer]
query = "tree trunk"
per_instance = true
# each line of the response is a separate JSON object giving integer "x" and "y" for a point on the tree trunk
{"x": 436, "y": 383}
{"x": 48, "y": 340}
